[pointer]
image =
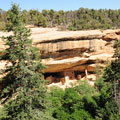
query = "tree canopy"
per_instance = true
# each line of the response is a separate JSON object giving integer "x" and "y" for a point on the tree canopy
{"x": 81, "y": 19}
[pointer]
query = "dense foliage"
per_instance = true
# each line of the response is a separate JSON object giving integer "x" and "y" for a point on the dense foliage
{"x": 74, "y": 103}
{"x": 81, "y": 19}
{"x": 84, "y": 102}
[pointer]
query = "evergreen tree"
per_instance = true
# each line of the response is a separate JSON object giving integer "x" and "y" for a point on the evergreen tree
{"x": 109, "y": 88}
{"x": 23, "y": 84}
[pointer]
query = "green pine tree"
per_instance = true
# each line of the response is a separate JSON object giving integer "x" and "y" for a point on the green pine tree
{"x": 24, "y": 88}
{"x": 109, "y": 101}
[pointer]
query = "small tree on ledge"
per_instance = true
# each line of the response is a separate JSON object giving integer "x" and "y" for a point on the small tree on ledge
{"x": 23, "y": 83}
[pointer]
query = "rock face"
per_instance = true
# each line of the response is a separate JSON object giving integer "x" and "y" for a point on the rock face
{"x": 64, "y": 44}
{"x": 68, "y": 44}
{"x": 72, "y": 53}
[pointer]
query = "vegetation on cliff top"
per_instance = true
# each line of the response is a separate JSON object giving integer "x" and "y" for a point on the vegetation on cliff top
{"x": 81, "y": 19}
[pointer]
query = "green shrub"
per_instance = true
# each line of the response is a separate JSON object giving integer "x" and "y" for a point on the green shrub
{"x": 2, "y": 25}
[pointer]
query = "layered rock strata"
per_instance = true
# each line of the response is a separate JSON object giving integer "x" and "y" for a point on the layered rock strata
{"x": 72, "y": 54}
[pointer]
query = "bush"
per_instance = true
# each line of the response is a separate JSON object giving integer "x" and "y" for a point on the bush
{"x": 2, "y": 25}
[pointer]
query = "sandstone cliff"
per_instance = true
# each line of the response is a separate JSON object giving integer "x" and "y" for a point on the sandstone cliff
{"x": 75, "y": 51}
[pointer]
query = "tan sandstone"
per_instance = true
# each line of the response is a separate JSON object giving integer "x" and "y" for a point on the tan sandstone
{"x": 76, "y": 51}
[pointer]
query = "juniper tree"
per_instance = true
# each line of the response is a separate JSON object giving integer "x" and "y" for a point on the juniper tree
{"x": 23, "y": 82}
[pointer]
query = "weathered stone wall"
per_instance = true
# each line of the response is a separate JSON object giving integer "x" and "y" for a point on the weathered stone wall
{"x": 94, "y": 44}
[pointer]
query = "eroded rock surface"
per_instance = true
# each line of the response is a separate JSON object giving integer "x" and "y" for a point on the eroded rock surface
{"x": 76, "y": 51}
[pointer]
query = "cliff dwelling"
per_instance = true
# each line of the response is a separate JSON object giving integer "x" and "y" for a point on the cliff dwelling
{"x": 60, "y": 76}
{"x": 65, "y": 76}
